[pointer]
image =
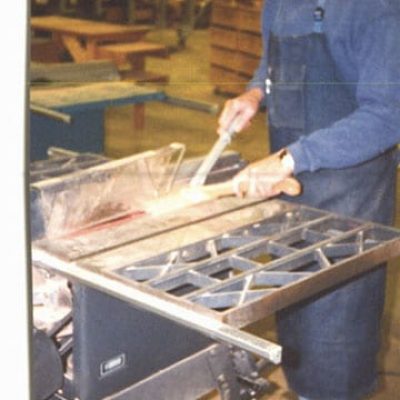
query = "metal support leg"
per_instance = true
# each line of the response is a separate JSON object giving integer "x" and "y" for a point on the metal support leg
{"x": 131, "y": 8}
{"x": 98, "y": 9}
{"x": 232, "y": 372}
{"x": 221, "y": 366}
{"x": 187, "y": 23}
{"x": 162, "y": 13}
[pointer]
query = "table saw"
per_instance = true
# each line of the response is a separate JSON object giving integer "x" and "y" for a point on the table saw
{"x": 160, "y": 302}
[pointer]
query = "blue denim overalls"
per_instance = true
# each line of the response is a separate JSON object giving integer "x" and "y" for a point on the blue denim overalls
{"x": 330, "y": 342}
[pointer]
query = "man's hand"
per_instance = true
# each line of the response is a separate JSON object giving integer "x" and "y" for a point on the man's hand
{"x": 238, "y": 112}
{"x": 268, "y": 177}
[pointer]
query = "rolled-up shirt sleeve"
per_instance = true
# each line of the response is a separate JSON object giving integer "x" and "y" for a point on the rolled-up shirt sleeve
{"x": 260, "y": 75}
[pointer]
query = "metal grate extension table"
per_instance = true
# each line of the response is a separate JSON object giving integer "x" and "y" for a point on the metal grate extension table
{"x": 222, "y": 265}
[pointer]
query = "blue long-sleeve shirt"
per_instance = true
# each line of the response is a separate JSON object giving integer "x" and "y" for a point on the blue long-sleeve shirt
{"x": 364, "y": 40}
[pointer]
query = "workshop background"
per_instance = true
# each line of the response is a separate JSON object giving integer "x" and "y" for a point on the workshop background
{"x": 202, "y": 53}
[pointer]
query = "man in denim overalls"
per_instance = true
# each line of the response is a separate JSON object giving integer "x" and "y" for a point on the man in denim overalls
{"x": 330, "y": 79}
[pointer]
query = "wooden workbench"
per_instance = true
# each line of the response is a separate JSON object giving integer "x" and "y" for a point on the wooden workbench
{"x": 82, "y": 38}
{"x": 86, "y": 105}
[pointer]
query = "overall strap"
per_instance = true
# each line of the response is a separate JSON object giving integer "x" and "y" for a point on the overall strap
{"x": 319, "y": 14}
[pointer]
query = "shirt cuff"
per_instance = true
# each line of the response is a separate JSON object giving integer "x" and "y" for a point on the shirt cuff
{"x": 253, "y": 84}
{"x": 302, "y": 162}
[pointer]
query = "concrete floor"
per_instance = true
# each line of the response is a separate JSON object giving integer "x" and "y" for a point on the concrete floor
{"x": 189, "y": 77}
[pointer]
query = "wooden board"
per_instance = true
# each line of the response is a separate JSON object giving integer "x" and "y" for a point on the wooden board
{"x": 136, "y": 48}
{"x": 246, "y": 3}
{"x": 226, "y": 81}
{"x": 69, "y": 72}
{"x": 227, "y": 16}
{"x": 144, "y": 76}
{"x": 234, "y": 61}
{"x": 247, "y": 64}
{"x": 236, "y": 44}
{"x": 224, "y": 58}
{"x": 250, "y": 43}
{"x": 250, "y": 20}
{"x": 223, "y": 37}
{"x": 90, "y": 93}
{"x": 45, "y": 50}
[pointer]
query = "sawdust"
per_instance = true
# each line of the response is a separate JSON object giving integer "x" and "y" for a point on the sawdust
{"x": 177, "y": 200}
{"x": 188, "y": 196}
